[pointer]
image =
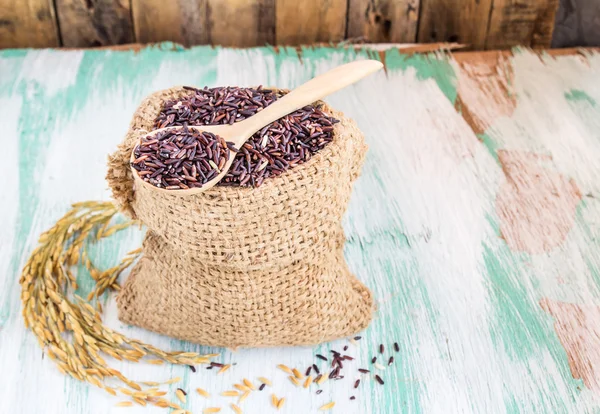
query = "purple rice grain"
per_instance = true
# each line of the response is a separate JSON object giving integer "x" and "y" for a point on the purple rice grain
{"x": 356, "y": 383}
{"x": 379, "y": 380}
{"x": 307, "y": 373}
{"x": 364, "y": 371}
{"x": 353, "y": 398}
{"x": 374, "y": 360}
{"x": 381, "y": 348}
{"x": 281, "y": 145}
{"x": 262, "y": 387}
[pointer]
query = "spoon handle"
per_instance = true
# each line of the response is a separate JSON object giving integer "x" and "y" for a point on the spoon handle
{"x": 309, "y": 92}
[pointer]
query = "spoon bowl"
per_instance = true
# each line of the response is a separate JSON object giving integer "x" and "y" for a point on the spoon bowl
{"x": 239, "y": 132}
{"x": 230, "y": 133}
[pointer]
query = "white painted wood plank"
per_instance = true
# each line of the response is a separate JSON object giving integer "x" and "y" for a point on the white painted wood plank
{"x": 419, "y": 232}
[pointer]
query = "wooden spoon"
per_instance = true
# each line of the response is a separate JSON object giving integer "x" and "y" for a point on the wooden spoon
{"x": 240, "y": 132}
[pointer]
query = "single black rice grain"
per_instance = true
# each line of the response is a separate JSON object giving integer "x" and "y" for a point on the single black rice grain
{"x": 391, "y": 361}
{"x": 353, "y": 398}
{"x": 193, "y": 368}
{"x": 364, "y": 371}
{"x": 262, "y": 387}
{"x": 316, "y": 368}
{"x": 346, "y": 348}
{"x": 379, "y": 380}
{"x": 319, "y": 391}
{"x": 321, "y": 357}
{"x": 307, "y": 373}
{"x": 373, "y": 360}
{"x": 396, "y": 347}
{"x": 356, "y": 383}
{"x": 381, "y": 348}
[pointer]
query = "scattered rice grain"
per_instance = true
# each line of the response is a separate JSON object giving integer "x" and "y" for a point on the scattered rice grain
{"x": 244, "y": 396}
{"x": 249, "y": 384}
{"x": 280, "y": 403}
{"x": 224, "y": 368}
{"x": 241, "y": 387}
{"x": 265, "y": 381}
{"x": 202, "y": 392}
{"x": 285, "y": 368}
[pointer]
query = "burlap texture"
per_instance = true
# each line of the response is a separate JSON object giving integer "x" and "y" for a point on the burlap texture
{"x": 237, "y": 266}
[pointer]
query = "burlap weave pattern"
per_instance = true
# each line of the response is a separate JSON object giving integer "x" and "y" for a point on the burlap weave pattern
{"x": 240, "y": 266}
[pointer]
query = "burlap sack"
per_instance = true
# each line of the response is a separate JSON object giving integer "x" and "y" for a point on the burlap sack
{"x": 237, "y": 266}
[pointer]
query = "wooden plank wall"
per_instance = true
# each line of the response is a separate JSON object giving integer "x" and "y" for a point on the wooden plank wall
{"x": 482, "y": 24}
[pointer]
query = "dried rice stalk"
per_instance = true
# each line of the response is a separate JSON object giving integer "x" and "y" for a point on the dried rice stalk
{"x": 51, "y": 310}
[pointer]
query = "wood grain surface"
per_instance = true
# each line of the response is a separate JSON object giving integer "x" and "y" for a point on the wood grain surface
{"x": 92, "y": 23}
{"x": 577, "y": 24}
{"x": 481, "y": 24}
{"x": 241, "y": 23}
{"x": 28, "y": 23}
{"x": 310, "y": 21}
{"x": 512, "y": 22}
{"x": 227, "y": 23}
{"x": 183, "y": 22}
{"x": 383, "y": 21}
{"x": 475, "y": 222}
{"x": 451, "y": 21}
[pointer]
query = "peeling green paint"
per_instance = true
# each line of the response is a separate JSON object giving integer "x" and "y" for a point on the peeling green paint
{"x": 434, "y": 66}
{"x": 577, "y": 95}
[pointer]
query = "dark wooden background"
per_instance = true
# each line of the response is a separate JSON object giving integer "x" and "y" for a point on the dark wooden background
{"x": 482, "y": 24}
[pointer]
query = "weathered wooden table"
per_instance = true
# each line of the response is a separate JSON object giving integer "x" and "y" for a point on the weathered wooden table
{"x": 476, "y": 223}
